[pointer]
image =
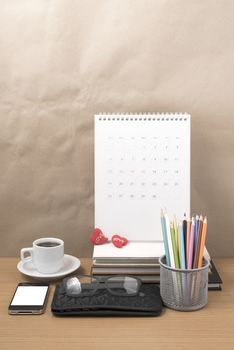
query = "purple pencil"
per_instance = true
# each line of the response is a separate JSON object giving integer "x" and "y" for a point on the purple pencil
{"x": 191, "y": 244}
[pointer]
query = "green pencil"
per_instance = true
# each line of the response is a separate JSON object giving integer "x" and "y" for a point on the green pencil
{"x": 174, "y": 247}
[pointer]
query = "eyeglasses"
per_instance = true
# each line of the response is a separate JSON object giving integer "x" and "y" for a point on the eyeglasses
{"x": 87, "y": 285}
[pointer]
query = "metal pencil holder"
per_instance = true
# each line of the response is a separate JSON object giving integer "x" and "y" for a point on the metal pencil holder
{"x": 184, "y": 290}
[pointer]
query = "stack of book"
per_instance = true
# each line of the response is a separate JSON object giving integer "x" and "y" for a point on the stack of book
{"x": 140, "y": 259}
{"x": 214, "y": 279}
{"x": 144, "y": 268}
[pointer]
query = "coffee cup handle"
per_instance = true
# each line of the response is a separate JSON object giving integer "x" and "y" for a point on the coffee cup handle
{"x": 26, "y": 250}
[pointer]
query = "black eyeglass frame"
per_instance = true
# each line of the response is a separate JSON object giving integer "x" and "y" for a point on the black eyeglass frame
{"x": 102, "y": 284}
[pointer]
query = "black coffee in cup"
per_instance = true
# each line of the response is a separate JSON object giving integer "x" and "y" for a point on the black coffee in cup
{"x": 48, "y": 244}
{"x": 46, "y": 254}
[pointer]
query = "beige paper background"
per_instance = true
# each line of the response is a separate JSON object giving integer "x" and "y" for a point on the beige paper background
{"x": 63, "y": 61}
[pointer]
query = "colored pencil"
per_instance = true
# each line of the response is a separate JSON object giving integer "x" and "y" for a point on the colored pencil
{"x": 175, "y": 252}
{"x": 176, "y": 232}
{"x": 177, "y": 239}
{"x": 164, "y": 232}
{"x": 203, "y": 240}
{"x": 185, "y": 234}
{"x": 187, "y": 241}
{"x": 191, "y": 244}
{"x": 198, "y": 243}
{"x": 182, "y": 246}
{"x": 196, "y": 230}
{"x": 184, "y": 243}
{"x": 172, "y": 260}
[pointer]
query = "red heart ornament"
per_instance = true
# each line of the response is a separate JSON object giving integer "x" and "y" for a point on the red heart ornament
{"x": 119, "y": 241}
{"x": 98, "y": 237}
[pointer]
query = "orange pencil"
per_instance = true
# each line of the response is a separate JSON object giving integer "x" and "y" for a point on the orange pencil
{"x": 203, "y": 240}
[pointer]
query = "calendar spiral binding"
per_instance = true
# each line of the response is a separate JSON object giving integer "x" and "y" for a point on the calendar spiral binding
{"x": 176, "y": 116}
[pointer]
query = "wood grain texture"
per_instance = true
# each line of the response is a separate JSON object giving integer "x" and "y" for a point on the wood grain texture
{"x": 209, "y": 328}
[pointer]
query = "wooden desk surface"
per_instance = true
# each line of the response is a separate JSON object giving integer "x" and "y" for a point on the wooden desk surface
{"x": 209, "y": 328}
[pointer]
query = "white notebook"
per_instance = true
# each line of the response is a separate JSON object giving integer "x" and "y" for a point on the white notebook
{"x": 142, "y": 164}
{"x": 133, "y": 250}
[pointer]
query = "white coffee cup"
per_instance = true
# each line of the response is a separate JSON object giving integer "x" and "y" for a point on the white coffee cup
{"x": 46, "y": 254}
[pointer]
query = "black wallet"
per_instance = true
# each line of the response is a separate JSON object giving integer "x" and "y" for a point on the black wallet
{"x": 147, "y": 303}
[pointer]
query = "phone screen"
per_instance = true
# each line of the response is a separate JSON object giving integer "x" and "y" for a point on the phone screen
{"x": 29, "y": 295}
{"x": 29, "y": 298}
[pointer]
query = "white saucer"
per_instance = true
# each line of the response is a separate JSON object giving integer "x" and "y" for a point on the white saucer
{"x": 71, "y": 264}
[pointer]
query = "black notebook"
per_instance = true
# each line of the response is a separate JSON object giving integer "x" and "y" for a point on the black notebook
{"x": 214, "y": 279}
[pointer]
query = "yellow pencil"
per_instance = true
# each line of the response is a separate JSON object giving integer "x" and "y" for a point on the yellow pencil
{"x": 176, "y": 231}
{"x": 203, "y": 240}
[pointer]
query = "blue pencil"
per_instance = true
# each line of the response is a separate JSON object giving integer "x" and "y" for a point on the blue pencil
{"x": 164, "y": 232}
{"x": 182, "y": 247}
{"x": 195, "y": 233}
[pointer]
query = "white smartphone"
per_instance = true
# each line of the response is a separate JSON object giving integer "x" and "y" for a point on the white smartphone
{"x": 29, "y": 299}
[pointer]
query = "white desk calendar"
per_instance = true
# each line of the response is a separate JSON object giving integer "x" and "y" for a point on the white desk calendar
{"x": 142, "y": 164}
